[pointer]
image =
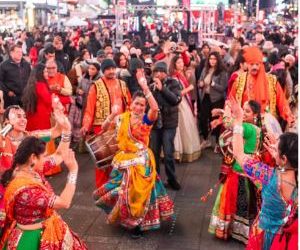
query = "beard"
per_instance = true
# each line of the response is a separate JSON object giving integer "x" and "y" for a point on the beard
{"x": 254, "y": 72}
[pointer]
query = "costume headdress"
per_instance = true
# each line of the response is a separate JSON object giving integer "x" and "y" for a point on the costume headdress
{"x": 253, "y": 55}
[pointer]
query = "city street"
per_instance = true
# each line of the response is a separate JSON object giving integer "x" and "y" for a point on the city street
{"x": 191, "y": 70}
{"x": 188, "y": 231}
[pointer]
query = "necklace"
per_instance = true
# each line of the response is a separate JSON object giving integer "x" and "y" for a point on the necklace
{"x": 30, "y": 173}
{"x": 136, "y": 119}
{"x": 16, "y": 139}
{"x": 284, "y": 169}
{"x": 136, "y": 116}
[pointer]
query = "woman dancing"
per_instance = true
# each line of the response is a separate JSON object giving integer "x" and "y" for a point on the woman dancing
{"x": 235, "y": 207}
{"x": 134, "y": 195}
{"x": 30, "y": 203}
{"x": 279, "y": 185}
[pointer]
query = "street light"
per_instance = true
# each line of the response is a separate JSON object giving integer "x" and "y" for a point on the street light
{"x": 29, "y": 6}
{"x": 22, "y": 10}
{"x": 58, "y": 16}
{"x": 257, "y": 10}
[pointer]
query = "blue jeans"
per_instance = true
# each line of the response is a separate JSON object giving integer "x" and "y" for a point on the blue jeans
{"x": 164, "y": 138}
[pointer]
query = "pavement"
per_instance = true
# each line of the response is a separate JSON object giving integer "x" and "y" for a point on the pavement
{"x": 187, "y": 232}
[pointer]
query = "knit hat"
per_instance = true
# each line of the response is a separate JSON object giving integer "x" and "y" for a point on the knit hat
{"x": 161, "y": 66}
{"x": 126, "y": 41}
{"x": 100, "y": 53}
{"x": 107, "y": 63}
{"x": 135, "y": 64}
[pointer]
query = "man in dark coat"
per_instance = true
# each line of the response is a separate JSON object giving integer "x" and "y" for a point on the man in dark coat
{"x": 14, "y": 74}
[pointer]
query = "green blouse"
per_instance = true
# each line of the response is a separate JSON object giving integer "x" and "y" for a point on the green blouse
{"x": 252, "y": 138}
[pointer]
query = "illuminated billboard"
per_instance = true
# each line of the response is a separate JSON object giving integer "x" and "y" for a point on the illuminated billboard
{"x": 141, "y": 2}
{"x": 203, "y": 3}
{"x": 155, "y": 2}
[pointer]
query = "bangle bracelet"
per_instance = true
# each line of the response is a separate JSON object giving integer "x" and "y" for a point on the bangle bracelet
{"x": 66, "y": 137}
{"x": 238, "y": 129}
{"x": 66, "y": 134}
{"x": 52, "y": 161}
{"x": 72, "y": 177}
{"x": 143, "y": 80}
{"x": 227, "y": 121}
{"x": 108, "y": 119}
{"x": 148, "y": 95}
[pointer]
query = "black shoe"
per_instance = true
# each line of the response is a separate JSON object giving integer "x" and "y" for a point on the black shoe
{"x": 174, "y": 185}
{"x": 136, "y": 233}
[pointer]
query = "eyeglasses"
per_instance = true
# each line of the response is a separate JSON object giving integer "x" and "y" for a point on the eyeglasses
{"x": 51, "y": 67}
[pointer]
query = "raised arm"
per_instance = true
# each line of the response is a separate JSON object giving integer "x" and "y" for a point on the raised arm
{"x": 65, "y": 198}
{"x": 153, "y": 111}
{"x": 257, "y": 171}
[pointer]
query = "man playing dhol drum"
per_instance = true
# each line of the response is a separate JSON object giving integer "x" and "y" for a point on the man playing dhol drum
{"x": 104, "y": 94}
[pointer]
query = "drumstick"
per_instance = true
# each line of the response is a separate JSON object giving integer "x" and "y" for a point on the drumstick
{"x": 109, "y": 139}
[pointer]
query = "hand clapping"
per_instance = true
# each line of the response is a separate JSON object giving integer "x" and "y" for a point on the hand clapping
{"x": 236, "y": 110}
{"x": 56, "y": 104}
{"x": 62, "y": 120}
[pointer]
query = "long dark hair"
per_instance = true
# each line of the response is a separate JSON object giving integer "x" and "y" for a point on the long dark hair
{"x": 29, "y": 98}
{"x": 219, "y": 66}
{"x": 117, "y": 59}
{"x": 7, "y": 111}
{"x": 30, "y": 145}
{"x": 256, "y": 109}
{"x": 239, "y": 59}
{"x": 81, "y": 55}
{"x": 137, "y": 94}
{"x": 97, "y": 66}
{"x": 288, "y": 146}
{"x": 172, "y": 67}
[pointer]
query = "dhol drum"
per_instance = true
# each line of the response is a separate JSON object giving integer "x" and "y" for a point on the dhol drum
{"x": 225, "y": 143}
{"x": 102, "y": 148}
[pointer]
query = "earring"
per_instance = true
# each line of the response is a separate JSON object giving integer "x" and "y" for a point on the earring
{"x": 255, "y": 119}
{"x": 281, "y": 169}
{"x": 31, "y": 167}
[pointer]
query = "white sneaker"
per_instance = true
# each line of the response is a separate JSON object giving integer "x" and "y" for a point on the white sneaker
{"x": 205, "y": 144}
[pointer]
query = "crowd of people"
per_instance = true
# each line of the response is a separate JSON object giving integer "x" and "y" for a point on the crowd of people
{"x": 132, "y": 107}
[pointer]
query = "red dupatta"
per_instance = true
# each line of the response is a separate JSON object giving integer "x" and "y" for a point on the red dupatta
{"x": 184, "y": 82}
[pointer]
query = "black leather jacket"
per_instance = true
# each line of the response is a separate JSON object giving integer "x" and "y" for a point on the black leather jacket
{"x": 168, "y": 99}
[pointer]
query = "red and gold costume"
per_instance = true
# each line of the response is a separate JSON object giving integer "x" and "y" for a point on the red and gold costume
{"x": 8, "y": 148}
{"x": 29, "y": 201}
{"x": 263, "y": 88}
{"x": 103, "y": 95}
